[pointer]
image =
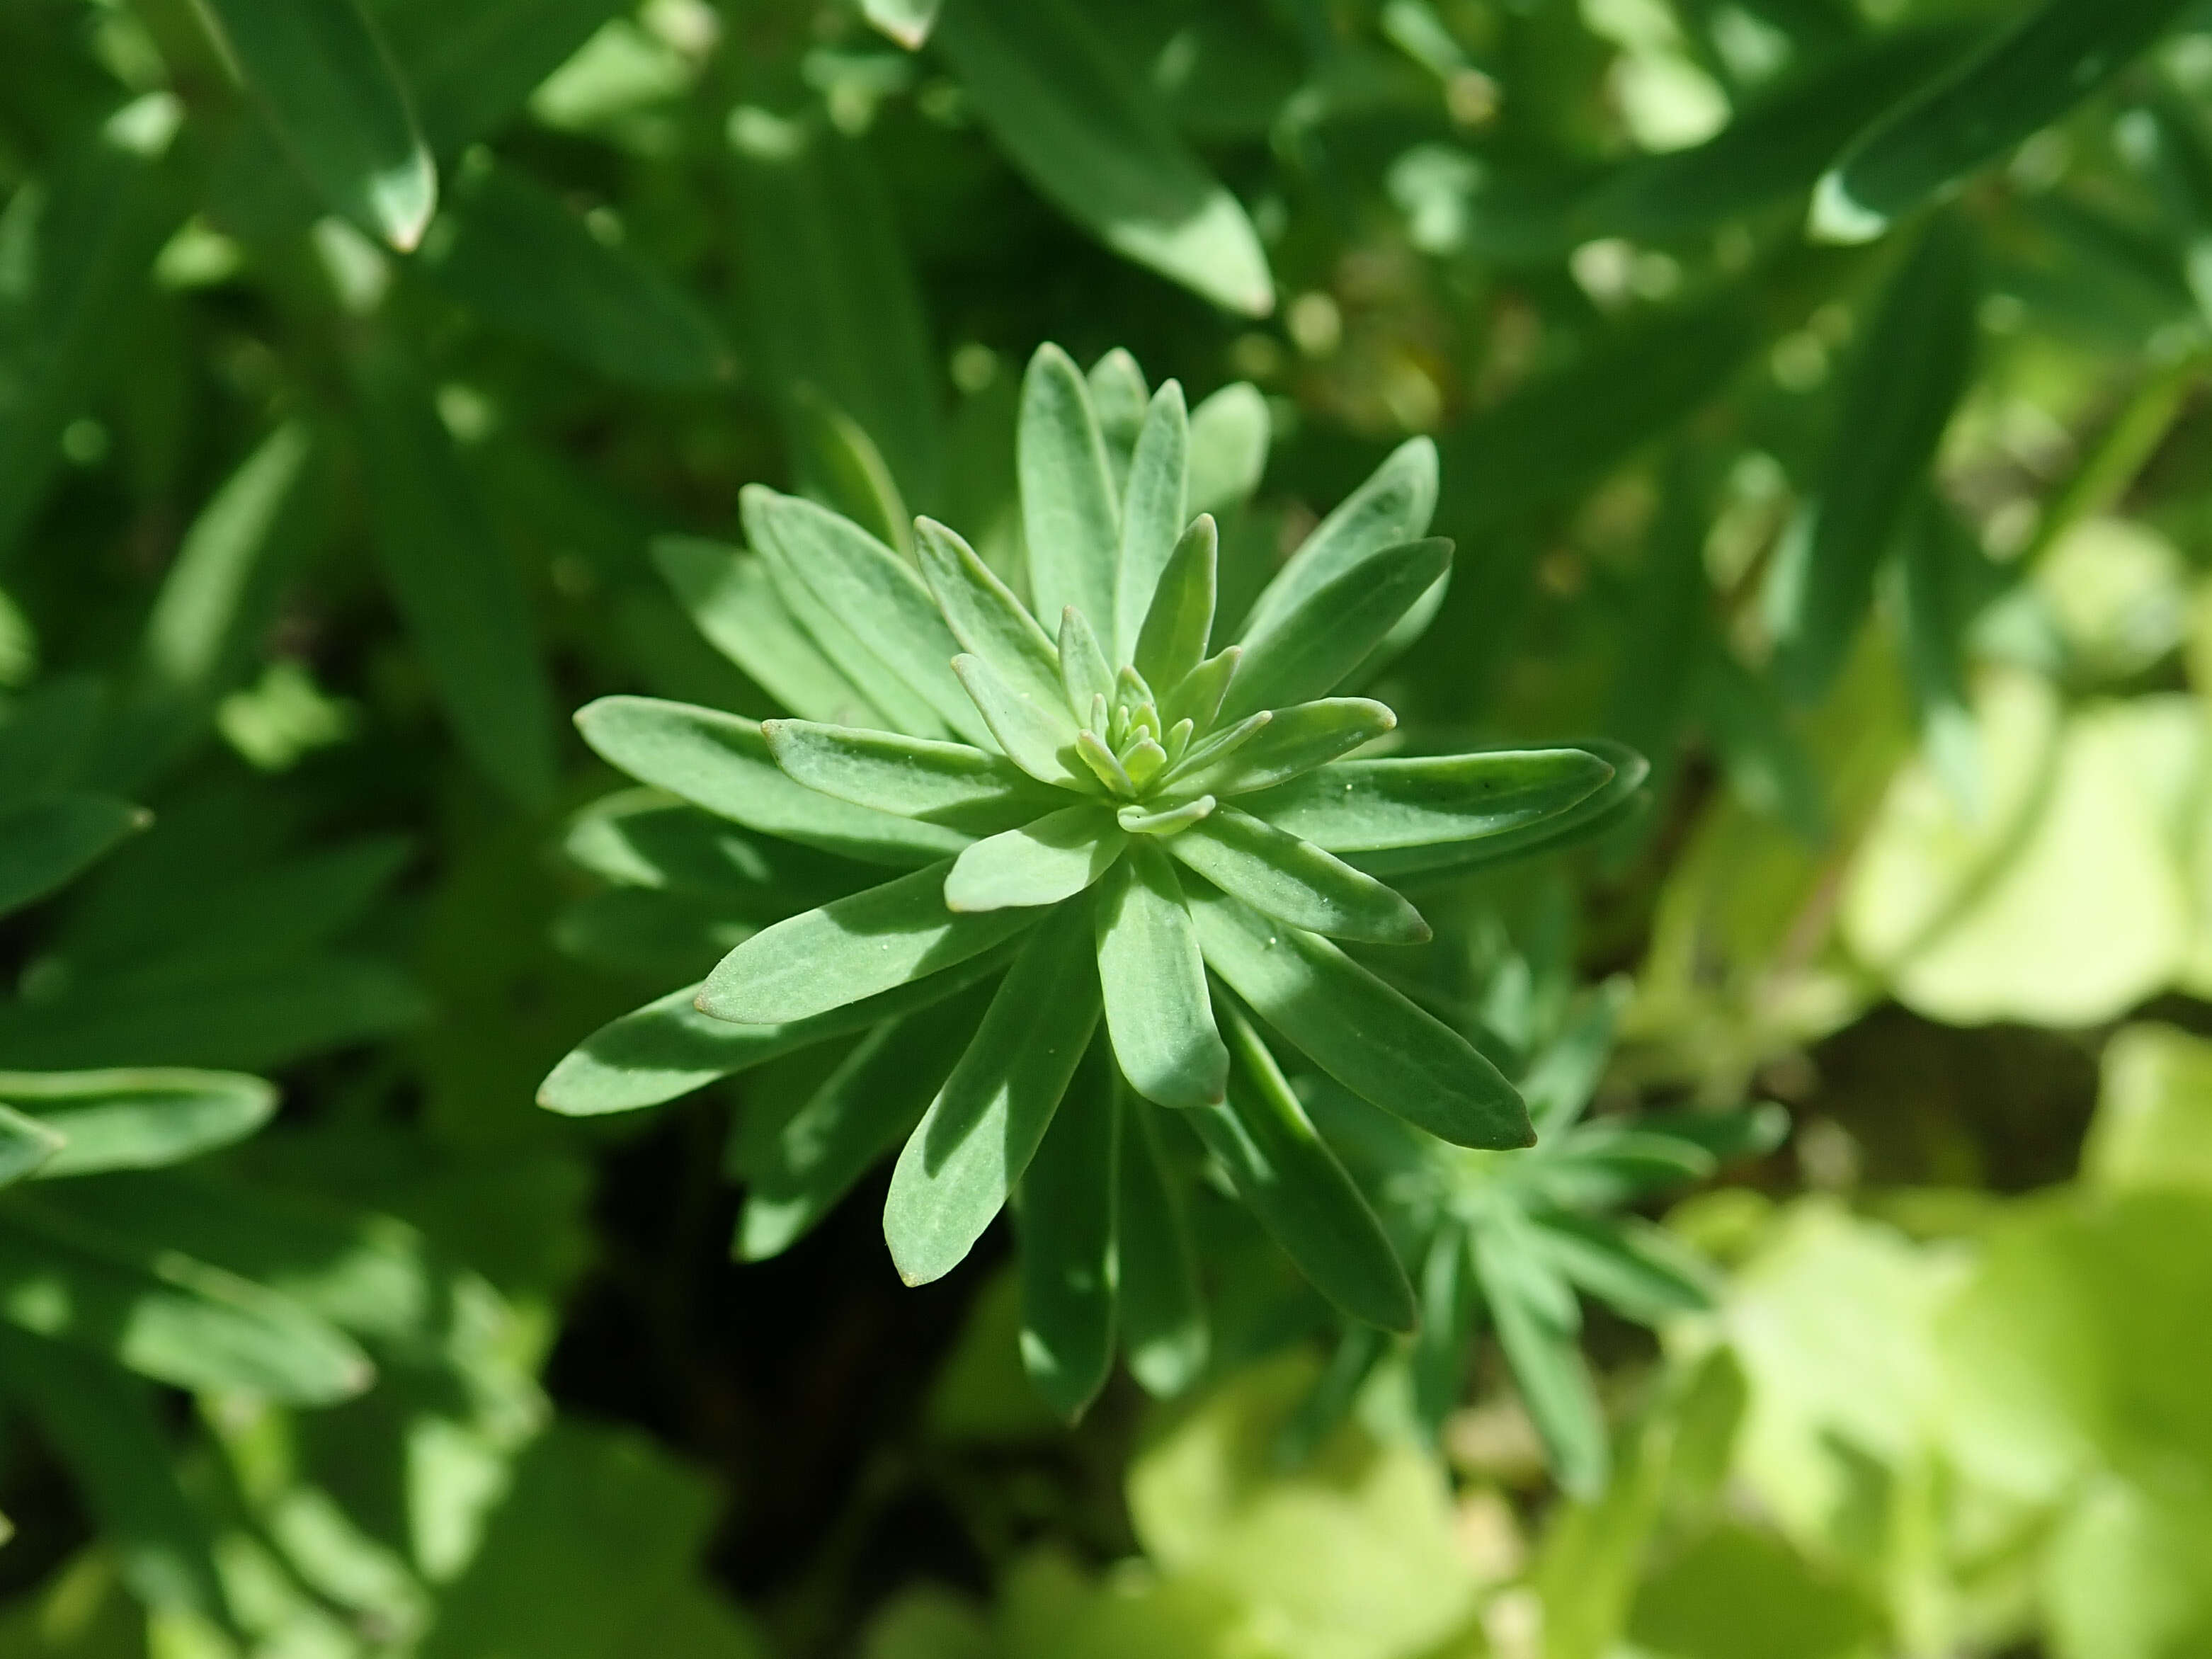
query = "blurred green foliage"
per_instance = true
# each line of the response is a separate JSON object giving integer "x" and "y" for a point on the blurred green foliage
{"x": 1816, "y": 389}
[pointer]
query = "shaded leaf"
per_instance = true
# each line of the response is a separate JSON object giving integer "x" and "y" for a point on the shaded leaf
{"x": 1064, "y": 1216}
{"x": 1159, "y": 1010}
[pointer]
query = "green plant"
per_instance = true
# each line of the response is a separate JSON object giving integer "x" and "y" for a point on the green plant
{"x": 1123, "y": 819}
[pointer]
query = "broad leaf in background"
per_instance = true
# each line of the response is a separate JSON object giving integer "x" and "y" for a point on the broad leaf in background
{"x": 332, "y": 92}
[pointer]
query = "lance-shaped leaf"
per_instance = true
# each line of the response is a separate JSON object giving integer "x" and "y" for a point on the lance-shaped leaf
{"x": 1438, "y": 1361}
{"x": 1071, "y": 512}
{"x": 164, "y": 1315}
{"x": 1314, "y": 644}
{"x": 839, "y": 466}
{"x": 1392, "y": 506}
{"x": 870, "y": 590}
{"x": 1282, "y": 1168}
{"x": 1163, "y": 1330}
{"x": 1536, "y": 1320}
{"x": 137, "y": 1118}
{"x": 1159, "y": 1011}
{"x": 467, "y": 72}
{"x": 25, "y": 1144}
{"x": 1064, "y": 1217}
{"x": 668, "y": 1047}
{"x": 1906, "y": 379}
{"x": 796, "y": 1170}
{"x": 514, "y": 252}
{"x": 1229, "y": 432}
{"x": 852, "y": 948}
{"x": 954, "y": 1174}
{"x": 1357, "y": 1030}
{"x": 987, "y": 620}
{"x": 730, "y": 597}
{"x": 1643, "y": 1272}
{"x": 1294, "y": 740}
{"x": 1199, "y": 698}
{"x": 1294, "y": 881}
{"x": 106, "y": 1426}
{"x": 970, "y": 790}
{"x": 2030, "y": 74}
{"x": 1154, "y": 510}
{"x": 1560, "y": 1082}
{"x": 1097, "y": 142}
{"x": 1121, "y": 398}
{"x": 1171, "y": 641}
{"x": 1085, "y": 673}
{"x": 722, "y": 763}
{"x": 1039, "y": 737}
{"x": 644, "y": 841}
{"x": 1612, "y": 802}
{"x": 462, "y": 596}
{"x": 44, "y": 843}
{"x": 1054, "y": 858}
{"x": 214, "y": 607}
{"x": 1362, "y": 805}
{"x": 322, "y": 73}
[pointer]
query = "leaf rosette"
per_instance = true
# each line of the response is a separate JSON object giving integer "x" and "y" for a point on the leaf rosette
{"x": 1153, "y": 844}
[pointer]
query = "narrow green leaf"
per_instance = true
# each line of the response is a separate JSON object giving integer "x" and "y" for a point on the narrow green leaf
{"x": 25, "y": 1144}
{"x": 1154, "y": 512}
{"x": 1560, "y": 1082}
{"x": 869, "y": 590}
{"x": 1294, "y": 881}
{"x": 954, "y": 1174}
{"x": 1362, "y": 805}
{"x": 1039, "y": 737}
{"x": 1642, "y": 1271}
{"x": 1199, "y": 698}
{"x": 849, "y": 949}
{"x": 1096, "y": 142}
{"x": 1085, "y": 673}
{"x": 1357, "y": 1030}
{"x": 1312, "y": 646}
{"x": 797, "y": 1170}
{"x": 1525, "y": 1298}
{"x": 470, "y": 71}
{"x": 1907, "y": 378}
{"x": 458, "y": 591}
{"x": 966, "y": 789}
{"x": 729, "y": 594}
{"x": 1295, "y": 740}
{"x": 1229, "y": 432}
{"x": 1064, "y": 1221}
{"x": 1159, "y": 1009}
{"x": 906, "y": 22}
{"x": 987, "y": 620}
{"x": 1163, "y": 1329}
{"x": 643, "y": 838}
{"x": 722, "y": 763}
{"x": 832, "y": 301}
{"x": 1054, "y": 858}
{"x": 1439, "y": 1359}
{"x": 213, "y": 608}
{"x": 668, "y": 1047}
{"x": 322, "y": 73}
{"x": 1392, "y": 506}
{"x": 839, "y": 465}
{"x": 1172, "y": 639}
{"x": 1071, "y": 513}
{"x": 1285, "y": 1173}
{"x": 137, "y": 1118}
{"x": 514, "y": 252}
{"x": 1138, "y": 821}
{"x": 2028, "y": 75}
{"x": 107, "y": 1429}
{"x": 1119, "y": 395}
{"x": 44, "y": 843}
{"x": 166, "y": 1316}
{"x": 1611, "y": 803}
{"x": 80, "y": 242}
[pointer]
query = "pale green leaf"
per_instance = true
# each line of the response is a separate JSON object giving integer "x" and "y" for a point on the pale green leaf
{"x": 1295, "y": 740}
{"x": 1071, "y": 513}
{"x": 729, "y": 594}
{"x": 1294, "y": 881}
{"x": 1310, "y": 646}
{"x": 1159, "y": 1009}
{"x": 957, "y": 1168}
{"x": 1357, "y": 1030}
{"x": 1229, "y": 438}
{"x": 1362, "y": 805}
{"x": 1392, "y": 506}
{"x": 1054, "y": 858}
{"x": 988, "y": 621}
{"x": 1154, "y": 512}
{"x": 1172, "y": 637}
{"x": 906, "y": 22}
{"x": 137, "y": 1118}
{"x": 1039, "y": 737}
{"x": 966, "y": 789}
